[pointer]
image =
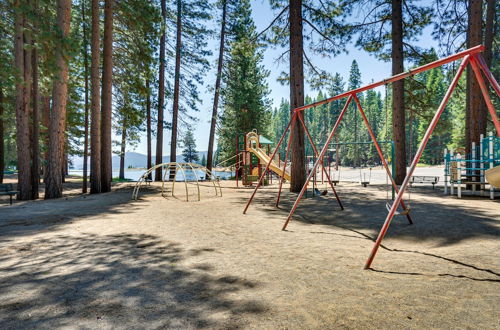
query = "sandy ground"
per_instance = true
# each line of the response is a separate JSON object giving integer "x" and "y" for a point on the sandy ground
{"x": 104, "y": 261}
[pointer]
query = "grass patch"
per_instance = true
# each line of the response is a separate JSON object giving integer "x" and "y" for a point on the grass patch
{"x": 122, "y": 180}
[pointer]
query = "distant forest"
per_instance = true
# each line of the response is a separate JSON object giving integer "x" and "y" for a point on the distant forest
{"x": 74, "y": 73}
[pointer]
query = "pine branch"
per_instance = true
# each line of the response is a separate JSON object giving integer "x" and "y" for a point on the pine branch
{"x": 272, "y": 23}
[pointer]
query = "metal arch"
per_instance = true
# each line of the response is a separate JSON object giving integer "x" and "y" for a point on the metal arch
{"x": 194, "y": 167}
{"x": 181, "y": 167}
{"x": 197, "y": 180}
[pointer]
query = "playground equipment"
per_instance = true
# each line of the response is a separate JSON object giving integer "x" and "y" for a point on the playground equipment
{"x": 470, "y": 57}
{"x": 254, "y": 146}
{"x": 185, "y": 172}
{"x": 252, "y": 152}
{"x": 470, "y": 170}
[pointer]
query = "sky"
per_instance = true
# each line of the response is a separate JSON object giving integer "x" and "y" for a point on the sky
{"x": 370, "y": 68}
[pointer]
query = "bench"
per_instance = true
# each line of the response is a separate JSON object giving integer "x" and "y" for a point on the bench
{"x": 8, "y": 189}
{"x": 424, "y": 179}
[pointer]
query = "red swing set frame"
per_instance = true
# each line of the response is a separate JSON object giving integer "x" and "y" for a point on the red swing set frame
{"x": 470, "y": 56}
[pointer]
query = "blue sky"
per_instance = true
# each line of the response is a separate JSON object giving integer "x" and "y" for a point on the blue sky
{"x": 370, "y": 67}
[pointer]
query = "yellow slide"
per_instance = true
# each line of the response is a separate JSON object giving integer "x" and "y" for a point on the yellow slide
{"x": 261, "y": 154}
{"x": 493, "y": 176}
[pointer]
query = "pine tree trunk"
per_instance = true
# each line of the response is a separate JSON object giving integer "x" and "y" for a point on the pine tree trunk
{"x": 86, "y": 104}
{"x": 148, "y": 127}
{"x": 489, "y": 33}
{"x": 35, "y": 139}
{"x": 106, "y": 97}
{"x": 217, "y": 88}
{"x": 22, "y": 112}
{"x": 2, "y": 137}
{"x": 398, "y": 103}
{"x": 298, "y": 170}
{"x": 476, "y": 117}
{"x": 161, "y": 94}
{"x": 175, "y": 109}
{"x": 95, "y": 103}
{"x": 53, "y": 188}
{"x": 122, "y": 151}
{"x": 45, "y": 134}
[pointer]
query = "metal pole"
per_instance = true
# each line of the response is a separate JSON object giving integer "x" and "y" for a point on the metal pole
{"x": 282, "y": 178}
{"x": 332, "y": 133}
{"x": 319, "y": 157}
{"x": 380, "y": 153}
{"x": 486, "y": 96}
{"x": 421, "y": 148}
{"x": 432, "y": 65}
{"x": 488, "y": 73}
{"x": 268, "y": 164}
{"x": 393, "y": 166}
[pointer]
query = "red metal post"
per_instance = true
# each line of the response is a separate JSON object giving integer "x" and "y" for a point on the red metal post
{"x": 432, "y": 65}
{"x": 282, "y": 179}
{"x": 268, "y": 165}
{"x": 332, "y": 133}
{"x": 380, "y": 153}
{"x": 488, "y": 73}
{"x": 484, "y": 90}
{"x": 317, "y": 160}
{"x": 414, "y": 163}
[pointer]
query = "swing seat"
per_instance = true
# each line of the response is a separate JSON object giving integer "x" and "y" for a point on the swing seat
{"x": 388, "y": 206}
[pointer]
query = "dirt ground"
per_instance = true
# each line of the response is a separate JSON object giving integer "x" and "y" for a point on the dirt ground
{"x": 105, "y": 261}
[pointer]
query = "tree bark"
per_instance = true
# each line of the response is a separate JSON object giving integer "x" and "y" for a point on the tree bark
{"x": 106, "y": 97}
{"x": 2, "y": 137}
{"x": 22, "y": 112}
{"x": 398, "y": 103}
{"x": 53, "y": 188}
{"x": 161, "y": 94}
{"x": 86, "y": 104}
{"x": 95, "y": 103}
{"x": 477, "y": 117}
{"x": 35, "y": 138}
{"x": 489, "y": 33}
{"x": 298, "y": 170}
{"x": 122, "y": 149}
{"x": 45, "y": 134}
{"x": 217, "y": 88}
{"x": 148, "y": 127}
{"x": 175, "y": 109}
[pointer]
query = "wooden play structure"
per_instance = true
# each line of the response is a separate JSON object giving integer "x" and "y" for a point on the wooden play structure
{"x": 252, "y": 156}
{"x": 476, "y": 173}
{"x": 471, "y": 57}
{"x": 179, "y": 172}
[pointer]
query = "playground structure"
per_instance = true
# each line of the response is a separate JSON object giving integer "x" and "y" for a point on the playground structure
{"x": 252, "y": 155}
{"x": 470, "y": 170}
{"x": 189, "y": 173}
{"x": 470, "y": 57}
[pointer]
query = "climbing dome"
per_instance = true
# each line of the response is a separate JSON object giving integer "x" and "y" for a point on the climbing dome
{"x": 174, "y": 174}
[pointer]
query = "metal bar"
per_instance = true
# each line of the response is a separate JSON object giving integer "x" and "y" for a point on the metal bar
{"x": 282, "y": 178}
{"x": 484, "y": 90}
{"x": 380, "y": 153}
{"x": 488, "y": 74}
{"x": 414, "y": 163}
{"x": 318, "y": 160}
{"x": 432, "y": 65}
{"x": 325, "y": 147}
{"x": 268, "y": 165}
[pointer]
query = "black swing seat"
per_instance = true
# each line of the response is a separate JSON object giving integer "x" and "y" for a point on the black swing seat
{"x": 388, "y": 206}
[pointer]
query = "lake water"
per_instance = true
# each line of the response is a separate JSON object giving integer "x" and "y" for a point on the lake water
{"x": 134, "y": 175}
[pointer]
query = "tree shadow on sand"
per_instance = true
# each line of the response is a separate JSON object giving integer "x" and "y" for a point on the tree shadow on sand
{"x": 26, "y": 218}
{"x": 120, "y": 280}
{"x": 365, "y": 212}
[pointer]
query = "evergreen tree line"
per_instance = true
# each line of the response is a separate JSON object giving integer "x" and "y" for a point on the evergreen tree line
{"x": 423, "y": 93}
{"x": 75, "y": 73}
